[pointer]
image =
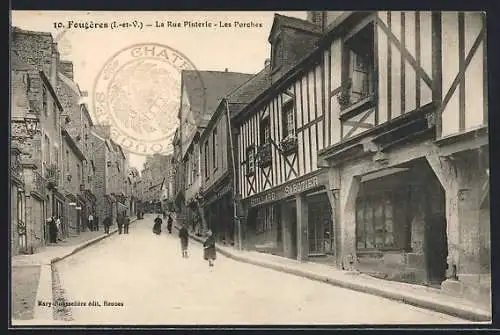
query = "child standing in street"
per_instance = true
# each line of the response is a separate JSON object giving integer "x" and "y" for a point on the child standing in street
{"x": 209, "y": 253}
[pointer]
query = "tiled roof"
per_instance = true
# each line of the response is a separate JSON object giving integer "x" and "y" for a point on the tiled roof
{"x": 249, "y": 90}
{"x": 293, "y": 22}
{"x": 217, "y": 84}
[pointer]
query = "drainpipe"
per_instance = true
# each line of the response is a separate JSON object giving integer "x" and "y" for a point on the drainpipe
{"x": 233, "y": 161}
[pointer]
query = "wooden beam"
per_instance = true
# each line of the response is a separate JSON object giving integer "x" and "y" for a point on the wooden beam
{"x": 392, "y": 38}
{"x": 460, "y": 76}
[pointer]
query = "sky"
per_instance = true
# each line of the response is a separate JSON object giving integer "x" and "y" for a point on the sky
{"x": 239, "y": 49}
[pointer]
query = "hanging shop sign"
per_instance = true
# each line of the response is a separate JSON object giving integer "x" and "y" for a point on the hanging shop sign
{"x": 288, "y": 189}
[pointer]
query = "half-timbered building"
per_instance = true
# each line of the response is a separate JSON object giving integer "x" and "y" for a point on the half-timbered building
{"x": 371, "y": 150}
{"x": 406, "y": 146}
{"x": 279, "y": 134}
{"x": 201, "y": 92}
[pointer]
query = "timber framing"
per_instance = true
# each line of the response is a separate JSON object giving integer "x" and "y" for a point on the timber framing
{"x": 339, "y": 27}
{"x": 387, "y": 133}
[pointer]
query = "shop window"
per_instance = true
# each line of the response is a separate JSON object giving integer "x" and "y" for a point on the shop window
{"x": 265, "y": 219}
{"x": 375, "y": 223}
{"x": 358, "y": 76}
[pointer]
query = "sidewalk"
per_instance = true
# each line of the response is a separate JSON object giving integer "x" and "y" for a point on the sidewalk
{"x": 417, "y": 295}
{"x": 44, "y": 259}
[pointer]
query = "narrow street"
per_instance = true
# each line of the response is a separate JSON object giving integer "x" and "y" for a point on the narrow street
{"x": 147, "y": 274}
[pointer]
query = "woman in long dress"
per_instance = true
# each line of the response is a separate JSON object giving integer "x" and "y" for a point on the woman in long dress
{"x": 157, "y": 225}
{"x": 209, "y": 252}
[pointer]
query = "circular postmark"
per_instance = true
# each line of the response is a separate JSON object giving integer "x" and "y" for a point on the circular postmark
{"x": 138, "y": 94}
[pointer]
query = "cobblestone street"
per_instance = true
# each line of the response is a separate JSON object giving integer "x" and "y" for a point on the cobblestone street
{"x": 147, "y": 274}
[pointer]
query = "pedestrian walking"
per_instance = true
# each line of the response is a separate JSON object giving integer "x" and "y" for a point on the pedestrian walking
{"x": 59, "y": 229}
{"x": 96, "y": 222}
{"x": 126, "y": 223}
{"x": 184, "y": 236}
{"x": 91, "y": 222}
{"x": 107, "y": 223}
{"x": 209, "y": 253}
{"x": 170, "y": 221}
{"x": 52, "y": 230}
{"x": 119, "y": 222}
{"x": 157, "y": 225}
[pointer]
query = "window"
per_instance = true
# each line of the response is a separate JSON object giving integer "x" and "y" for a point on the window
{"x": 206, "y": 159}
{"x": 194, "y": 167}
{"x": 47, "y": 150}
{"x": 288, "y": 119}
{"x": 56, "y": 156}
{"x": 44, "y": 100}
{"x": 358, "y": 65}
{"x": 54, "y": 109}
{"x": 266, "y": 218}
{"x": 251, "y": 160}
{"x": 265, "y": 130}
{"x": 375, "y": 222}
{"x": 215, "y": 148}
{"x": 67, "y": 160}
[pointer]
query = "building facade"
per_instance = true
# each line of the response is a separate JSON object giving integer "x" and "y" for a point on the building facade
{"x": 201, "y": 92}
{"x": 378, "y": 148}
{"x": 34, "y": 87}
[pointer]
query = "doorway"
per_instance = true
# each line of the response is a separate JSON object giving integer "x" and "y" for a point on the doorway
{"x": 435, "y": 237}
{"x": 293, "y": 230}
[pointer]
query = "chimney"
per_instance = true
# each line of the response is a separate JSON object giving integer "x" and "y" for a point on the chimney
{"x": 66, "y": 68}
{"x": 267, "y": 63}
{"x": 315, "y": 17}
{"x": 55, "y": 63}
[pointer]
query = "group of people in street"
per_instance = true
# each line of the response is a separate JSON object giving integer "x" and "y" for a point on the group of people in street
{"x": 123, "y": 222}
{"x": 158, "y": 222}
{"x": 209, "y": 251}
{"x": 54, "y": 229}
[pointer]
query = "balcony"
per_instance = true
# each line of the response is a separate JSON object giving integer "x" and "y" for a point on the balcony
{"x": 38, "y": 183}
{"x": 16, "y": 169}
{"x": 264, "y": 156}
{"x": 52, "y": 176}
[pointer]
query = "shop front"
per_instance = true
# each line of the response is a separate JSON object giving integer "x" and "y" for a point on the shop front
{"x": 293, "y": 220}
{"x": 218, "y": 209}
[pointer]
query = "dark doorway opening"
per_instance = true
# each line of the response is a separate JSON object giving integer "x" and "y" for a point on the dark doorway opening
{"x": 435, "y": 237}
{"x": 293, "y": 230}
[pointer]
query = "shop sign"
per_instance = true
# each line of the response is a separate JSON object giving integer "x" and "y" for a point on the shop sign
{"x": 289, "y": 189}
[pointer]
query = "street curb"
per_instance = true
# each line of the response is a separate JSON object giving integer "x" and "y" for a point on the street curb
{"x": 45, "y": 291}
{"x": 86, "y": 244}
{"x": 437, "y": 306}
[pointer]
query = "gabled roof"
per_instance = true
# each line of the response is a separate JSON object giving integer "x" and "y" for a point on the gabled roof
{"x": 292, "y": 22}
{"x": 249, "y": 91}
{"x": 205, "y": 89}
